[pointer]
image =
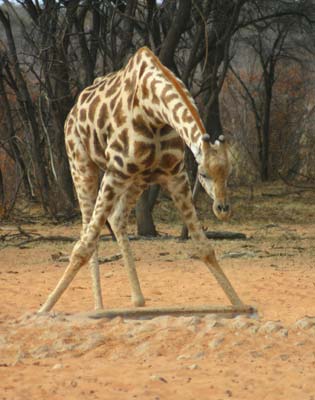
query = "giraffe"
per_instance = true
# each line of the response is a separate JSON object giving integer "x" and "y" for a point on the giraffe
{"x": 133, "y": 124}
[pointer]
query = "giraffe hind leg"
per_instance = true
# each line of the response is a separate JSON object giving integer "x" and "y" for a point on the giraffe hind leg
{"x": 86, "y": 181}
{"x": 86, "y": 246}
{"x": 87, "y": 188}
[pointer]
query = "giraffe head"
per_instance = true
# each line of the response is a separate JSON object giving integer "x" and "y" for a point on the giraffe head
{"x": 213, "y": 172}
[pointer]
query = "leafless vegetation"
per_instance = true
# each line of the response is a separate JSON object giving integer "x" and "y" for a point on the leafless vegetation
{"x": 249, "y": 65}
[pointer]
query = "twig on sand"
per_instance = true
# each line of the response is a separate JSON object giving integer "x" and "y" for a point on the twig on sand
{"x": 102, "y": 260}
{"x": 14, "y": 239}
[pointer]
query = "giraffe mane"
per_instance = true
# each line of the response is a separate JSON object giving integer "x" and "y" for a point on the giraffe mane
{"x": 168, "y": 74}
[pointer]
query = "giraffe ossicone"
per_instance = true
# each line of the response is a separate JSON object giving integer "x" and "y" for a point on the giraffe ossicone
{"x": 133, "y": 125}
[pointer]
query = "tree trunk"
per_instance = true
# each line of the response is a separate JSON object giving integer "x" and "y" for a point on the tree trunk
{"x": 14, "y": 152}
{"x": 2, "y": 199}
{"x": 268, "y": 84}
{"x": 29, "y": 114}
{"x": 184, "y": 232}
{"x": 212, "y": 119}
{"x": 145, "y": 224}
{"x": 264, "y": 173}
{"x": 56, "y": 86}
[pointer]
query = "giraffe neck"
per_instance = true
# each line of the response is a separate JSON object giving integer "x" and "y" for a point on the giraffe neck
{"x": 165, "y": 99}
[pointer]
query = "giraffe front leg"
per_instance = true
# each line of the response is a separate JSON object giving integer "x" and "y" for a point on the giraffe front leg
{"x": 86, "y": 246}
{"x": 180, "y": 191}
{"x": 211, "y": 262}
{"x": 79, "y": 257}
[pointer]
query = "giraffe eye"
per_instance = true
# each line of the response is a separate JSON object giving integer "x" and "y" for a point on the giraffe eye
{"x": 203, "y": 175}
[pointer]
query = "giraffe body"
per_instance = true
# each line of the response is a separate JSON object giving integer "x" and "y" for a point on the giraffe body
{"x": 98, "y": 127}
{"x": 133, "y": 125}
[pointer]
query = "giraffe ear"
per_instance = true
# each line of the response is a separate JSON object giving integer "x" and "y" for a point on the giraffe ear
{"x": 218, "y": 142}
{"x": 221, "y": 138}
{"x": 206, "y": 137}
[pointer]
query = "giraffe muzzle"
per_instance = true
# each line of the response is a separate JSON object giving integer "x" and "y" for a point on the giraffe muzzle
{"x": 222, "y": 210}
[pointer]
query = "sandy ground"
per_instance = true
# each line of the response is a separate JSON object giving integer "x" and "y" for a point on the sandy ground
{"x": 64, "y": 355}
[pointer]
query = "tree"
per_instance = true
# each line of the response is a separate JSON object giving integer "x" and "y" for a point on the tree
{"x": 199, "y": 40}
{"x": 52, "y": 49}
{"x": 16, "y": 80}
{"x": 268, "y": 36}
{"x": 144, "y": 208}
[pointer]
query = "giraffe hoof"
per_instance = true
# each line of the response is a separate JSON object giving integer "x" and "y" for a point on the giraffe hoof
{"x": 138, "y": 301}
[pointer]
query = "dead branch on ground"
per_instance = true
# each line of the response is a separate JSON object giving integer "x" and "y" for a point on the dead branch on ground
{"x": 60, "y": 257}
{"x": 23, "y": 238}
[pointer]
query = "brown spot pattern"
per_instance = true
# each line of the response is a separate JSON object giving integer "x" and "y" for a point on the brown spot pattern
{"x": 145, "y": 80}
{"x": 110, "y": 131}
{"x": 102, "y": 115}
{"x": 155, "y": 99}
{"x": 145, "y": 92}
{"x": 116, "y": 146}
{"x": 141, "y": 127}
{"x": 86, "y": 143}
{"x": 119, "y": 160}
{"x": 166, "y": 88}
{"x": 120, "y": 175}
{"x": 187, "y": 116}
{"x": 173, "y": 143}
{"x": 110, "y": 193}
{"x": 143, "y": 67}
{"x": 83, "y": 97}
{"x": 82, "y": 115}
{"x": 175, "y": 111}
{"x": 92, "y": 108}
{"x": 99, "y": 151}
{"x": 123, "y": 136}
{"x": 111, "y": 90}
{"x": 170, "y": 97}
{"x": 70, "y": 144}
{"x": 165, "y": 130}
{"x": 112, "y": 103}
{"x": 128, "y": 85}
{"x": 132, "y": 168}
{"x": 119, "y": 115}
{"x": 145, "y": 151}
{"x": 136, "y": 101}
{"x": 169, "y": 160}
{"x": 149, "y": 160}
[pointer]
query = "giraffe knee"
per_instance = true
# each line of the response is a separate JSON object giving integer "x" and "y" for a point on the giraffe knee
{"x": 203, "y": 251}
{"x": 81, "y": 253}
{"x": 210, "y": 256}
{"x": 206, "y": 252}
